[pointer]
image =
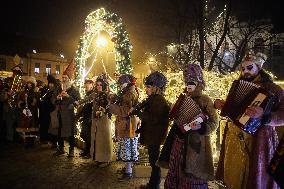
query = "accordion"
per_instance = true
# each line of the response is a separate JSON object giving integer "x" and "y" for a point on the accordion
{"x": 243, "y": 94}
{"x": 186, "y": 111}
{"x": 276, "y": 166}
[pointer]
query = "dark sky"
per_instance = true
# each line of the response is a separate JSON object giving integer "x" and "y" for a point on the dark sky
{"x": 62, "y": 21}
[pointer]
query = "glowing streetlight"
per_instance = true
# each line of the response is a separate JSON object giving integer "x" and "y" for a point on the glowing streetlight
{"x": 101, "y": 41}
{"x": 151, "y": 59}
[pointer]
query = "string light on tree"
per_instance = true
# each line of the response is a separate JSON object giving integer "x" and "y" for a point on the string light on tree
{"x": 97, "y": 22}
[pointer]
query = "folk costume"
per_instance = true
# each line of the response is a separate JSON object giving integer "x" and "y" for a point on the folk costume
{"x": 191, "y": 161}
{"x": 251, "y": 153}
{"x": 154, "y": 123}
{"x": 101, "y": 135}
{"x": 64, "y": 112}
{"x": 46, "y": 107}
{"x": 28, "y": 118}
{"x": 84, "y": 115}
{"x": 125, "y": 125}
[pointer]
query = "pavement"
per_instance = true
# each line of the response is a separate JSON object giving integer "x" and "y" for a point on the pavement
{"x": 38, "y": 168}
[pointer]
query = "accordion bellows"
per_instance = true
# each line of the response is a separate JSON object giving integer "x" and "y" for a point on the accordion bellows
{"x": 185, "y": 111}
{"x": 243, "y": 94}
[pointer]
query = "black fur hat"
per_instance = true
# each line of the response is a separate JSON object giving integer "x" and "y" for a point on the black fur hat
{"x": 51, "y": 79}
{"x": 156, "y": 79}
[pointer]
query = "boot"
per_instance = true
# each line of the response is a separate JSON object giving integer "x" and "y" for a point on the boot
{"x": 71, "y": 152}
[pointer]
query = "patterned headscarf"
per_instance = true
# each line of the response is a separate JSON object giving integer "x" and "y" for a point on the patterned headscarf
{"x": 193, "y": 73}
{"x": 126, "y": 78}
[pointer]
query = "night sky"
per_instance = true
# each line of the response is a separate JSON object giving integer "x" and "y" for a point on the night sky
{"x": 61, "y": 22}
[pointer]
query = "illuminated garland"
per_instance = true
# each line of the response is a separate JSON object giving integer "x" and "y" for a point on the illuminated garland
{"x": 97, "y": 21}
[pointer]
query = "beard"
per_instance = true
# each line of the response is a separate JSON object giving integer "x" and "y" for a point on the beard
{"x": 248, "y": 77}
{"x": 66, "y": 85}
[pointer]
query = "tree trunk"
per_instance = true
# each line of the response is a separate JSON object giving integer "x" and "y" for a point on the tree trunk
{"x": 201, "y": 33}
{"x": 225, "y": 30}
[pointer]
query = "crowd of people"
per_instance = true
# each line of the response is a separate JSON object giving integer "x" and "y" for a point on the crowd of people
{"x": 185, "y": 150}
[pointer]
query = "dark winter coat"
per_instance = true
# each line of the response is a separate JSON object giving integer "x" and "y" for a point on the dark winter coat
{"x": 65, "y": 111}
{"x": 85, "y": 115}
{"x": 45, "y": 106}
{"x": 154, "y": 120}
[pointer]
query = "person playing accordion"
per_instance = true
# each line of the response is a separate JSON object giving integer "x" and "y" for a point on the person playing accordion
{"x": 190, "y": 158}
{"x": 245, "y": 156}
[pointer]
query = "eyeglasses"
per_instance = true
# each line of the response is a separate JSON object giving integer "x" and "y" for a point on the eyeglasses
{"x": 99, "y": 84}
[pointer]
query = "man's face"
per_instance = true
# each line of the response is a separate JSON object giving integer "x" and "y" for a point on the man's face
{"x": 148, "y": 89}
{"x": 99, "y": 86}
{"x": 249, "y": 70}
{"x": 65, "y": 78}
{"x": 88, "y": 86}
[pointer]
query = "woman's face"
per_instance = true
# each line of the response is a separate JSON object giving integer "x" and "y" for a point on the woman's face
{"x": 123, "y": 85}
{"x": 51, "y": 86}
{"x": 29, "y": 85}
{"x": 191, "y": 87}
{"x": 99, "y": 86}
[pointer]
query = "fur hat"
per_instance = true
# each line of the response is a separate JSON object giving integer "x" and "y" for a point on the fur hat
{"x": 39, "y": 83}
{"x": 156, "y": 79}
{"x": 51, "y": 79}
{"x": 193, "y": 73}
{"x": 126, "y": 78}
{"x": 30, "y": 79}
{"x": 258, "y": 58}
{"x": 70, "y": 70}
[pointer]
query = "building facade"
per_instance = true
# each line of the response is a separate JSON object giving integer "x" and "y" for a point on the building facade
{"x": 38, "y": 65}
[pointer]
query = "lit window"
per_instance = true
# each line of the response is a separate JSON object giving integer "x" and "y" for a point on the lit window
{"x": 57, "y": 69}
{"x": 37, "y": 66}
{"x": 48, "y": 69}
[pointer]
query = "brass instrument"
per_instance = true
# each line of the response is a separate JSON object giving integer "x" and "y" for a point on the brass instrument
{"x": 15, "y": 88}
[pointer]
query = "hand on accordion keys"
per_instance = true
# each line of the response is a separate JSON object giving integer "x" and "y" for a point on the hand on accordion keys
{"x": 254, "y": 111}
{"x": 196, "y": 123}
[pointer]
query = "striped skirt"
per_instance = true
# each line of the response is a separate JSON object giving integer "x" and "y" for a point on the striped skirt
{"x": 176, "y": 178}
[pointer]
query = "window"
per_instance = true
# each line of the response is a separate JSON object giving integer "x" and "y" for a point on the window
{"x": 57, "y": 69}
{"x": 37, "y": 66}
{"x": 48, "y": 69}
